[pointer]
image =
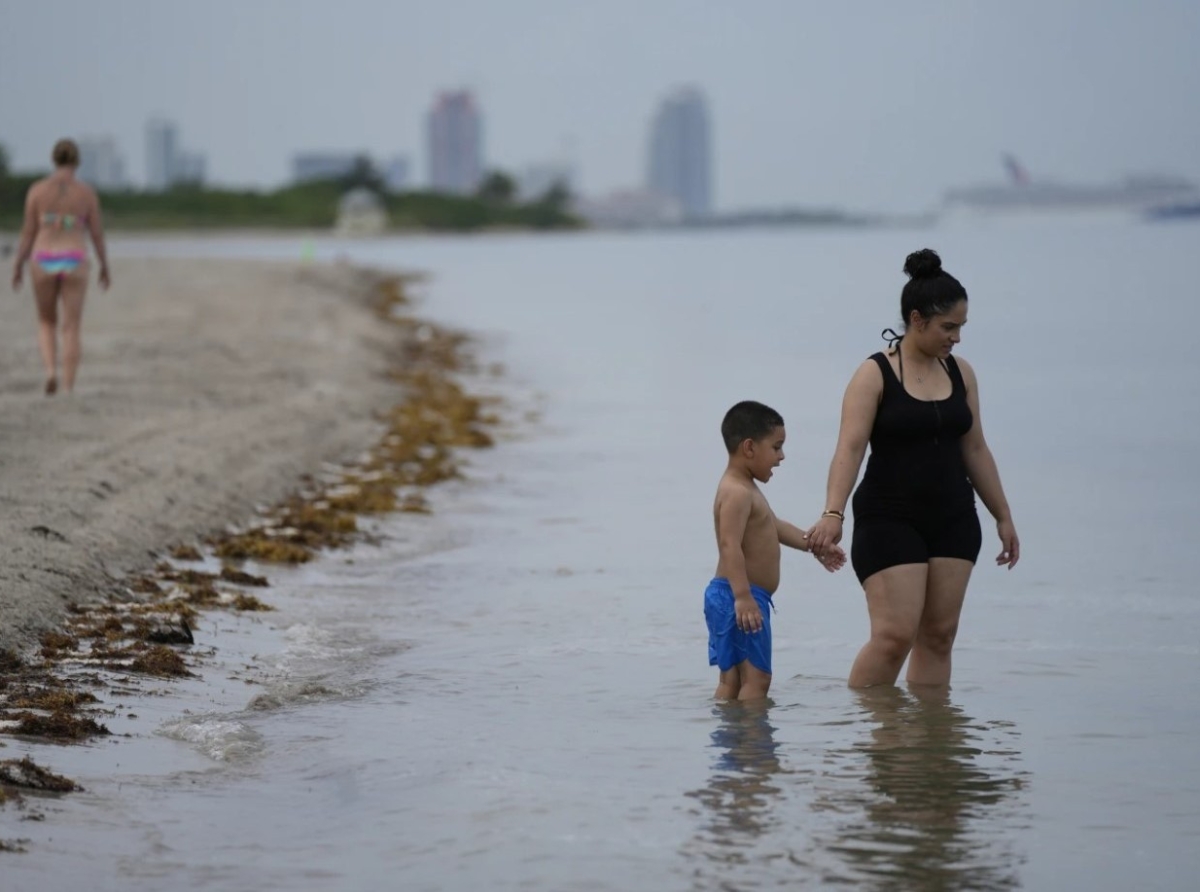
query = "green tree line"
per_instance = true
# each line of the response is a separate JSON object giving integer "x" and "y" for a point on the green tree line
{"x": 309, "y": 205}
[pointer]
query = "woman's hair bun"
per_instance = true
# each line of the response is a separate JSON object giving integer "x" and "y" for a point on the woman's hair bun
{"x": 922, "y": 264}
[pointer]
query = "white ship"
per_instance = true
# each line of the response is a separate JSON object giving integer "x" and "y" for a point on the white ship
{"x": 1137, "y": 194}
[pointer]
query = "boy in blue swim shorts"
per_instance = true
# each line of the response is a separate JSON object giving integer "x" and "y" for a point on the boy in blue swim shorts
{"x": 737, "y": 603}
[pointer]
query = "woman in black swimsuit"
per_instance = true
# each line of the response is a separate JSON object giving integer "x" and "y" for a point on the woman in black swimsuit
{"x": 916, "y": 533}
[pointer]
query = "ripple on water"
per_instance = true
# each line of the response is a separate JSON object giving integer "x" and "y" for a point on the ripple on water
{"x": 218, "y": 737}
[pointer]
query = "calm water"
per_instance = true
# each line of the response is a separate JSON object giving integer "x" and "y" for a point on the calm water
{"x": 514, "y": 693}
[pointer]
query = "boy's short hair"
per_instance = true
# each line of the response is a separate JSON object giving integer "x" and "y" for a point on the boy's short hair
{"x": 748, "y": 420}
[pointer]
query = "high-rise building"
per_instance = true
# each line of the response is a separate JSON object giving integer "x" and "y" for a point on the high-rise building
{"x": 455, "y": 144}
{"x": 162, "y": 154}
{"x": 680, "y": 162}
{"x": 100, "y": 163}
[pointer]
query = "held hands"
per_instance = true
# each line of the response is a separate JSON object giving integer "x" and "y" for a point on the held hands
{"x": 824, "y": 537}
{"x": 1010, "y": 545}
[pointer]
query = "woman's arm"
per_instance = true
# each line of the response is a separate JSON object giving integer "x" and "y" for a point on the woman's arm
{"x": 96, "y": 228}
{"x": 985, "y": 476}
{"x": 28, "y": 232}
{"x": 859, "y": 406}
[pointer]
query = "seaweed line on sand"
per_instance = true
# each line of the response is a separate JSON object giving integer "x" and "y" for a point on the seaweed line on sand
{"x": 55, "y": 692}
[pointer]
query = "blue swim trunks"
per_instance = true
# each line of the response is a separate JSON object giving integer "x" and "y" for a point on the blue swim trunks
{"x": 727, "y": 644}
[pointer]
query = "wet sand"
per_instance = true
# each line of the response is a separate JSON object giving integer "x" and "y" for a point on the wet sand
{"x": 207, "y": 389}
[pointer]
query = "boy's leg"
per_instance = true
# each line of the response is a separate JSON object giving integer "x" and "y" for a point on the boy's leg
{"x": 755, "y": 682}
{"x": 730, "y": 682}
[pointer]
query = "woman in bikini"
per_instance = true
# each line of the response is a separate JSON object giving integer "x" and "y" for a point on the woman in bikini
{"x": 60, "y": 212}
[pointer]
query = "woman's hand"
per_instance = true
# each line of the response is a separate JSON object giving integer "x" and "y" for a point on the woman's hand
{"x": 825, "y": 534}
{"x": 833, "y": 558}
{"x": 105, "y": 281}
{"x": 1011, "y": 545}
{"x": 18, "y": 276}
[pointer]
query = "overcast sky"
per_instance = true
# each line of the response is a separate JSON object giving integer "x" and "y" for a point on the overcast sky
{"x": 862, "y": 105}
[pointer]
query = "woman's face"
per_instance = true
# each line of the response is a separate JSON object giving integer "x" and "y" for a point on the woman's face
{"x": 938, "y": 334}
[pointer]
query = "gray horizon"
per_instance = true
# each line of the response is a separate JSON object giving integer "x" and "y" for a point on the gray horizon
{"x": 864, "y": 107}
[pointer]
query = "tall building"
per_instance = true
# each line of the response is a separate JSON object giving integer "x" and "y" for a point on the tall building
{"x": 455, "y": 143}
{"x": 681, "y": 152}
{"x": 100, "y": 163}
{"x": 162, "y": 154}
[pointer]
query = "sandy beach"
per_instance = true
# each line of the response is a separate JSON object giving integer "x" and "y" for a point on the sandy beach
{"x": 207, "y": 389}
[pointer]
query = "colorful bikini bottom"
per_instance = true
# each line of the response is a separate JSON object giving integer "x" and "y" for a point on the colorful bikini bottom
{"x": 59, "y": 263}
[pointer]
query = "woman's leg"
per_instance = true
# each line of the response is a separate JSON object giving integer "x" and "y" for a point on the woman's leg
{"x": 74, "y": 290}
{"x": 944, "y": 594}
{"x": 895, "y": 601}
{"x": 45, "y": 292}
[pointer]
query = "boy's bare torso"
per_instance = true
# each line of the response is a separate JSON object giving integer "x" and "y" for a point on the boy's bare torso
{"x": 760, "y": 541}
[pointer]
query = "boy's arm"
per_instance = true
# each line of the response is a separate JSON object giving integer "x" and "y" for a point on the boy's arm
{"x": 791, "y": 535}
{"x": 733, "y": 513}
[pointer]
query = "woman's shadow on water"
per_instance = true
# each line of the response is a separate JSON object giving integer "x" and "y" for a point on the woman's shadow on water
{"x": 939, "y": 800}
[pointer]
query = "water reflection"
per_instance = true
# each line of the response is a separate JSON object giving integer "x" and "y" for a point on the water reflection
{"x": 740, "y": 793}
{"x": 938, "y": 801}
{"x": 742, "y": 818}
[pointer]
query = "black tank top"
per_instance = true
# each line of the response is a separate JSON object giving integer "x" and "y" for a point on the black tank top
{"x": 916, "y": 464}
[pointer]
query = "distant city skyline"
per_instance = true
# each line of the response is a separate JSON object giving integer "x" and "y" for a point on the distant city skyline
{"x": 866, "y": 106}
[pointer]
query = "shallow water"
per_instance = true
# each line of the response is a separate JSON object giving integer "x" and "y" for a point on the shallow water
{"x": 514, "y": 693}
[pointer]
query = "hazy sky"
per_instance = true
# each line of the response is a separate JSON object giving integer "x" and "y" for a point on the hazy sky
{"x": 865, "y": 105}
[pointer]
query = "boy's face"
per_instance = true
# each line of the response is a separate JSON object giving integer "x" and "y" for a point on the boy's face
{"x": 765, "y": 455}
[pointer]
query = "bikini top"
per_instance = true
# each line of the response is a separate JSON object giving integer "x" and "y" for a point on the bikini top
{"x": 64, "y": 221}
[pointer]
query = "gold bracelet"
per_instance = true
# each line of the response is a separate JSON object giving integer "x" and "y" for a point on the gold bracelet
{"x": 829, "y": 512}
